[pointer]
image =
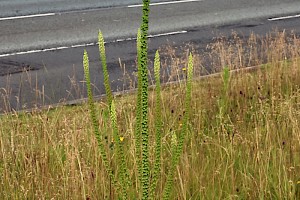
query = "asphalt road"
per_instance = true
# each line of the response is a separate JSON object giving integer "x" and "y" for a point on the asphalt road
{"x": 52, "y": 46}
{"x": 71, "y": 28}
{"x": 29, "y": 7}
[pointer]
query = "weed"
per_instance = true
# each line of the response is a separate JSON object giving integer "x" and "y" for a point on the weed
{"x": 142, "y": 129}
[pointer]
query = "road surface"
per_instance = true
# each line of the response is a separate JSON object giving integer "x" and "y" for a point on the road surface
{"x": 28, "y": 7}
{"x": 51, "y": 41}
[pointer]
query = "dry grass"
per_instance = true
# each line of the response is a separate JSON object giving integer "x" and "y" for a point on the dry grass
{"x": 249, "y": 151}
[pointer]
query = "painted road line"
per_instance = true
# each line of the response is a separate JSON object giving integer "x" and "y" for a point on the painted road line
{"x": 81, "y": 45}
{"x": 88, "y": 44}
{"x": 27, "y": 16}
{"x": 285, "y": 17}
{"x": 166, "y": 34}
{"x": 164, "y": 3}
{"x": 152, "y": 36}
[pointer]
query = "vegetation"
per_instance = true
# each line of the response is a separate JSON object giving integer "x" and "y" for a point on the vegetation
{"x": 235, "y": 135}
{"x": 251, "y": 153}
{"x": 121, "y": 179}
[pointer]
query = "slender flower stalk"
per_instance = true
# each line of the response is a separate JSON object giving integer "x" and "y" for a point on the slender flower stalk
{"x": 94, "y": 119}
{"x": 144, "y": 100}
{"x": 142, "y": 129}
{"x": 124, "y": 177}
{"x": 158, "y": 124}
{"x": 179, "y": 147}
{"x": 104, "y": 68}
{"x": 138, "y": 108}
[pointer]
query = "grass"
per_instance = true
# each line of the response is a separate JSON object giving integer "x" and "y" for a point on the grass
{"x": 243, "y": 142}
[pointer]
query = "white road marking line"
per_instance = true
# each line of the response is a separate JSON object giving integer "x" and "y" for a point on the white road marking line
{"x": 60, "y": 48}
{"x": 151, "y": 36}
{"x": 88, "y": 44}
{"x": 50, "y": 49}
{"x": 164, "y": 3}
{"x": 27, "y": 16}
{"x": 78, "y": 45}
{"x": 165, "y": 34}
{"x": 285, "y": 17}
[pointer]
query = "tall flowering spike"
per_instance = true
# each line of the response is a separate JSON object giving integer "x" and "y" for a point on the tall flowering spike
{"x": 190, "y": 75}
{"x": 188, "y": 99}
{"x": 124, "y": 175}
{"x": 104, "y": 67}
{"x": 179, "y": 148}
{"x": 87, "y": 75}
{"x": 144, "y": 100}
{"x": 174, "y": 140}
{"x": 139, "y": 107}
{"x": 94, "y": 118}
{"x": 224, "y": 99}
{"x": 157, "y": 70}
{"x": 138, "y": 45}
{"x": 158, "y": 124}
{"x": 113, "y": 118}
